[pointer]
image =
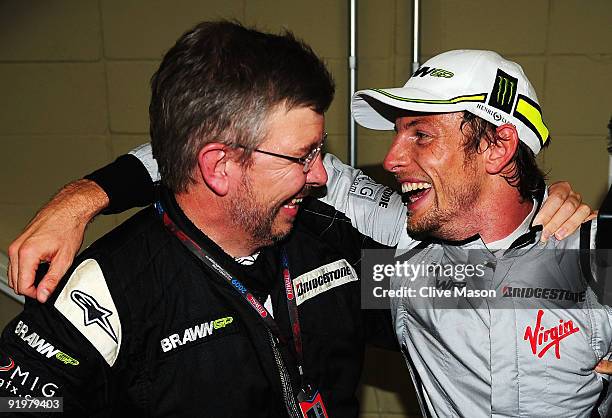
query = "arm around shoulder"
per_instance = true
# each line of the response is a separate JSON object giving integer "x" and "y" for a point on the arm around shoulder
{"x": 374, "y": 209}
{"x": 54, "y": 236}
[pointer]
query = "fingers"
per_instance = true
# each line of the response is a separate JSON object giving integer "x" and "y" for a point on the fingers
{"x": 9, "y": 275}
{"x": 581, "y": 214}
{"x": 561, "y": 213}
{"x": 27, "y": 290}
{"x": 12, "y": 267}
{"x": 593, "y": 215}
{"x": 47, "y": 285}
{"x": 57, "y": 229}
{"x": 550, "y": 206}
{"x": 565, "y": 221}
{"x": 547, "y": 213}
{"x": 27, "y": 264}
{"x": 604, "y": 366}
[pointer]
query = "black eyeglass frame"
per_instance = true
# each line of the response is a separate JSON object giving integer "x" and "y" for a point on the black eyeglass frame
{"x": 307, "y": 161}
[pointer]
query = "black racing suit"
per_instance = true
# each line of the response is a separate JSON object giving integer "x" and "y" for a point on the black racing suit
{"x": 175, "y": 351}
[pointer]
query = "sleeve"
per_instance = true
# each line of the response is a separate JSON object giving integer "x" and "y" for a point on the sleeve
{"x": 600, "y": 262}
{"x": 43, "y": 354}
{"x": 144, "y": 153}
{"x": 374, "y": 209}
{"x": 129, "y": 180}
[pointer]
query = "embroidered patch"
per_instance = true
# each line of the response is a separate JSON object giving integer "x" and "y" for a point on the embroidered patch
{"x": 322, "y": 279}
{"x": 87, "y": 303}
{"x": 542, "y": 339}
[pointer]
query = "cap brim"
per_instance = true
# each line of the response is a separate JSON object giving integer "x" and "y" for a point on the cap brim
{"x": 378, "y": 108}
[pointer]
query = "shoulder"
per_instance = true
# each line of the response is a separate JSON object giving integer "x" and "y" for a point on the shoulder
{"x": 142, "y": 227}
{"x": 85, "y": 300}
{"x": 317, "y": 215}
{"x": 97, "y": 293}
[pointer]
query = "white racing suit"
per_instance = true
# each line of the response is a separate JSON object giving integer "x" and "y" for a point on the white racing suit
{"x": 529, "y": 353}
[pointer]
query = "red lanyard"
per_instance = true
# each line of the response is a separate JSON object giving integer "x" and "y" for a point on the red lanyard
{"x": 293, "y": 310}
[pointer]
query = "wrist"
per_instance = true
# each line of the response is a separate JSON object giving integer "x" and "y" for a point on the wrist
{"x": 82, "y": 200}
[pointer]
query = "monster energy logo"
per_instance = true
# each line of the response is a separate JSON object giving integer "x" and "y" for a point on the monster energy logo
{"x": 504, "y": 91}
{"x": 504, "y": 83}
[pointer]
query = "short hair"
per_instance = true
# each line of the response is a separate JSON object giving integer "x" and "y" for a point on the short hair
{"x": 526, "y": 176}
{"x": 218, "y": 83}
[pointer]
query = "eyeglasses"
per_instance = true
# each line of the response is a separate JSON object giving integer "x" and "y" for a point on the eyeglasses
{"x": 307, "y": 161}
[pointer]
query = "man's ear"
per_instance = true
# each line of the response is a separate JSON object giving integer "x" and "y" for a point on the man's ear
{"x": 212, "y": 164}
{"x": 499, "y": 154}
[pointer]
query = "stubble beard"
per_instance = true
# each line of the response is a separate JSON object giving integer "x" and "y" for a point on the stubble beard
{"x": 254, "y": 217}
{"x": 442, "y": 223}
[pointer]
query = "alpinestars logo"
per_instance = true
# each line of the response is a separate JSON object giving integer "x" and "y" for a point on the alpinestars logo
{"x": 541, "y": 340}
{"x": 504, "y": 92}
{"x": 93, "y": 312}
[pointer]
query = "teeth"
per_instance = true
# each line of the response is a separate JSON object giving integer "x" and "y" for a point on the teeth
{"x": 293, "y": 203}
{"x": 408, "y": 187}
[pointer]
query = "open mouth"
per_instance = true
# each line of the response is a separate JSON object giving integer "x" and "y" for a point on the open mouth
{"x": 293, "y": 204}
{"x": 412, "y": 192}
{"x": 292, "y": 207}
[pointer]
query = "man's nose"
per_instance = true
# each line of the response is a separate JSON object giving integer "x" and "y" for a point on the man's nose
{"x": 395, "y": 157}
{"x": 317, "y": 176}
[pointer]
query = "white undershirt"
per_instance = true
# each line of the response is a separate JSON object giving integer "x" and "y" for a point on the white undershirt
{"x": 248, "y": 261}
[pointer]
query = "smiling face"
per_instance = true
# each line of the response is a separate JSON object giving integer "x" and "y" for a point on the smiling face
{"x": 440, "y": 184}
{"x": 266, "y": 200}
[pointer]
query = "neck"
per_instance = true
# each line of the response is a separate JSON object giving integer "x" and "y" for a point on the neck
{"x": 206, "y": 213}
{"x": 501, "y": 212}
{"x": 496, "y": 213}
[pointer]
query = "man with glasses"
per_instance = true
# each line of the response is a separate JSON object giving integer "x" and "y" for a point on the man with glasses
{"x": 177, "y": 312}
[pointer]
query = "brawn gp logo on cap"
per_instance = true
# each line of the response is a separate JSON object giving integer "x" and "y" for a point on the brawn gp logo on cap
{"x": 434, "y": 72}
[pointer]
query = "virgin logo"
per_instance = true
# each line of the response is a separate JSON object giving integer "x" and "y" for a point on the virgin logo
{"x": 542, "y": 339}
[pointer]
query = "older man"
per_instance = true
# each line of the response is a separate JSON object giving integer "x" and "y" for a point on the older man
{"x": 158, "y": 317}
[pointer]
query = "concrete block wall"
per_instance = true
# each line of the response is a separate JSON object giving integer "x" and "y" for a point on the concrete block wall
{"x": 74, "y": 92}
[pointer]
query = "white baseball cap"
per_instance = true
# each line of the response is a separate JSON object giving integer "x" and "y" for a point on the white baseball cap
{"x": 481, "y": 82}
